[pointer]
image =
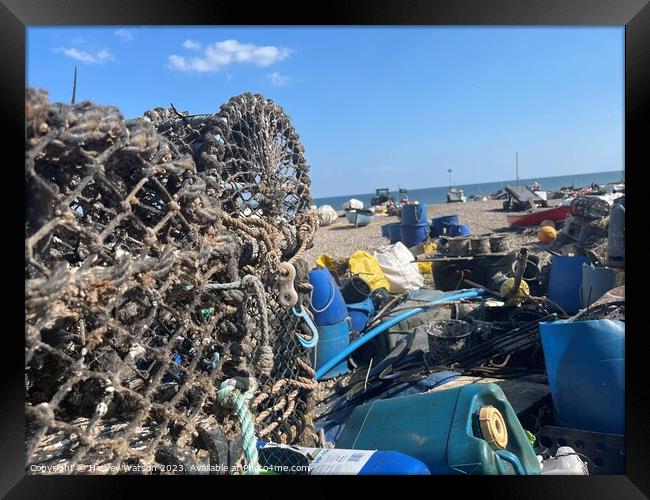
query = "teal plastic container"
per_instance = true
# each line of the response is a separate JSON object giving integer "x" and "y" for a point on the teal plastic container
{"x": 332, "y": 339}
{"x": 442, "y": 430}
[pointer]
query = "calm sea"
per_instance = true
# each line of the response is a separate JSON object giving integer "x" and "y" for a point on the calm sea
{"x": 439, "y": 194}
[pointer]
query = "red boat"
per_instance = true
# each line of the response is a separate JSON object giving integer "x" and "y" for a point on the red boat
{"x": 534, "y": 218}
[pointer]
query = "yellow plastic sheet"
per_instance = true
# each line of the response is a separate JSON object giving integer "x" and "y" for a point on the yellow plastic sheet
{"x": 327, "y": 261}
{"x": 367, "y": 267}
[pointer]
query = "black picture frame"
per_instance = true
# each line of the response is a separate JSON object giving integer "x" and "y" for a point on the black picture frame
{"x": 16, "y": 15}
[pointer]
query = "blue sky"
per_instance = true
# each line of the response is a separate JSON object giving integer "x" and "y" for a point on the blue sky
{"x": 374, "y": 106}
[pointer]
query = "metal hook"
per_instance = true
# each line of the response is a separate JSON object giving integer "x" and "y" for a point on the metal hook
{"x": 308, "y": 344}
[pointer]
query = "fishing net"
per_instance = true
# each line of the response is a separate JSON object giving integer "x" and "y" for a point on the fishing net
{"x": 153, "y": 252}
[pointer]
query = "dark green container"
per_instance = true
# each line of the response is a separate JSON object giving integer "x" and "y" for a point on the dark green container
{"x": 442, "y": 429}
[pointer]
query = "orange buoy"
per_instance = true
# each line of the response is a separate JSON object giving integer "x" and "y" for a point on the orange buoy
{"x": 546, "y": 234}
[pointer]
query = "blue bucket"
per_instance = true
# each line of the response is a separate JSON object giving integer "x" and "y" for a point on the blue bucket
{"x": 413, "y": 235}
{"x": 326, "y": 300}
{"x": 457, "y": 230}
{"x": 585, "y": 365}
{"x": 414, "y": 215}
{"x": 596, "y": 282}
{"x": 438, "y": 224}
{"x": 332, "y": 339}
{"x": 394, "y": 233}
{"x": 564, "y": 281}
{"x": 360, "y": 313}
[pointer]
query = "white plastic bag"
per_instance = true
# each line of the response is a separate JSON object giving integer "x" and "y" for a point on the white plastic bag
{"x": 396, "y": 262}
{"x": 327, "y": 215}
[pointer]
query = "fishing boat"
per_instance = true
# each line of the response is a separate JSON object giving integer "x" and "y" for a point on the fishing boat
{"x": 359, "y": 217}
{"x": 533, "y": 218}
{"x": 455, "y": 195}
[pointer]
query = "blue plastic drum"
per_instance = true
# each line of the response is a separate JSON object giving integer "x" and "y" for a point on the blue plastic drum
{"x": 394, "y": 233}
{"x": 438, "y": 224}
{"x": 327, "y": 301}
{"x": 413, "y": 235}
{"x": 414, "y": 215}
{"x": 585, "y": 365}
{"x": 360, "y": 313}
{"x": 332, "y": 339}
{"x": 564, "y": 281}
{"x": 457, "y": 230}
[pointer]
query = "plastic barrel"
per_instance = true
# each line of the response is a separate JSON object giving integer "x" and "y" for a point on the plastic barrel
{"x": 326, "y": 299}
{"x": 458, "y": 230}
{"x": 384, "y": 230}
{"x": 564, "y": 281}
{"x": 332, "y": 339}
{"x": 585, "y": 365}
{"x": 413, "y": 235}
{"x": 360, "y": 313}
{"x": 394, "y": 233}
{"x": 596, "y": 281}
{"x": 438, "y": 224}
{"x": 414, "y": 215}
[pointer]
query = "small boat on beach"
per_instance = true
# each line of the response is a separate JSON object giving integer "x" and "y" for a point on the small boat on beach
{"x": 455, "y": 195}
{"x": 533, "y": 218}
{"x": 359, "y": 217}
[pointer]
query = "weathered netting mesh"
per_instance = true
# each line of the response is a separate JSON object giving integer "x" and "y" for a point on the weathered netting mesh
{"x": 151, "y": 269}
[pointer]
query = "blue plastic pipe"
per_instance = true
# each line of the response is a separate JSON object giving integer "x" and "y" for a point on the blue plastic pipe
{"x": 461, "y": 294}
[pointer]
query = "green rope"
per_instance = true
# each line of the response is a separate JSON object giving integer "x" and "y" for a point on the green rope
{"x": 230, "y": 395}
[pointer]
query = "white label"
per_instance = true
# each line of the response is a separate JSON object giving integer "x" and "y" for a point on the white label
{"x": 333, "y": 461}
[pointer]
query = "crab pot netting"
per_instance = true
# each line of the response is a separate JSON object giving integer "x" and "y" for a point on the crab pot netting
{"x": 151, "y": 269}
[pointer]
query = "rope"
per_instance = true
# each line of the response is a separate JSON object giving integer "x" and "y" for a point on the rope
{"x": 230, "y": 395}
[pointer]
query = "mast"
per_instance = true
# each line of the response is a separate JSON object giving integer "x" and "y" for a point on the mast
{"x": 517, "y": 168}
{"x": 74, "y": 85}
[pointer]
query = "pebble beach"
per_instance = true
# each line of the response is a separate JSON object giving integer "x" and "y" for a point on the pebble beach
{"x": 341, "y": 239}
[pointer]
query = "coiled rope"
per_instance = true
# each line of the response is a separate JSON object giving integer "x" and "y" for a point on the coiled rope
{"x": 230, "y": 395}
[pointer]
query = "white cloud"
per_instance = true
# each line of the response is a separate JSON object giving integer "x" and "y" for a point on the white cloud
{"x": 277, "y": 79}
{"x": 124, "y": 35}
{"x": 221, "y": 54}
{"x": 192, "y": 45}
{"x": 97, "y": 57}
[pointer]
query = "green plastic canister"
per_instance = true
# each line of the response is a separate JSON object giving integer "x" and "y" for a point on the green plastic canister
{"x": 464, "y": 430}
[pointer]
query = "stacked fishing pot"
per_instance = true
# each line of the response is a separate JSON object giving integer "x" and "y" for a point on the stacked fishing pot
{"x": 159, "y": 253}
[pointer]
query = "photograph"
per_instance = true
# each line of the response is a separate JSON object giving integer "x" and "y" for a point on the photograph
{"x": 325, "y": 250}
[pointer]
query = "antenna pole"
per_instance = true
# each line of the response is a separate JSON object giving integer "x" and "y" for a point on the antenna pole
{"x": 517, "y": 167}
{"x": 74, "y": 85}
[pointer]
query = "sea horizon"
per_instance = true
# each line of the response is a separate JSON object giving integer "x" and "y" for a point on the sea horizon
{"x": 438, "y": 194}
